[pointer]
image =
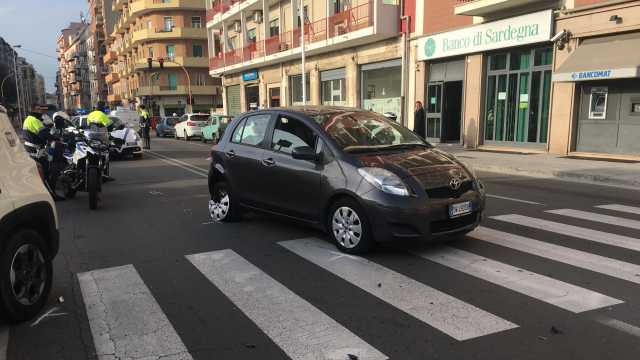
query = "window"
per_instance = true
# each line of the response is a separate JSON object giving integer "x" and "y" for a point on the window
{"x": 274, "y": 27}
{"x": 252, "y": 130}
{"x": 149, "y": 25}
{"x": 305, "y": 15}
{"x": 201, "y": 80}
{"x": 295, "y": 84}
{"x": 168, "y": 24}
{"x": 251, "y": 35}
{"x": 290, "y": 134}
{"x": 197, "y": 51}
{"x": 196, "y": 22}
{"x": 333, "y": 92}
{"x": 171, "y": 51}
{"x": 151, "y": 52}
{"x": 173, "y": 81}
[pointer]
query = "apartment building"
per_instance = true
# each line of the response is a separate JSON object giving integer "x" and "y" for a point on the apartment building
{"x": 529, "y": 75}
{"x": 148, "y": 32}
{"x": 30, "y": 83}
{"x": 101, "y": 19}
{"x": 353, "y": 51}
{"x": 73, "y": 65}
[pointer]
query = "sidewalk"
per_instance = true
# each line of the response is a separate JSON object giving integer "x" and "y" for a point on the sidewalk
{"x": 600, "y": 172}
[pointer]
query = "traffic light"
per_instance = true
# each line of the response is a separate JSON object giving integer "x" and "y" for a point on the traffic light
{"x": 161, "y": 60}
{"x": 150, "y": 63}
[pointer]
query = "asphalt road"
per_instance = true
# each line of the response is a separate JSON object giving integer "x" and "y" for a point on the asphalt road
{"x": 149, "y": 276}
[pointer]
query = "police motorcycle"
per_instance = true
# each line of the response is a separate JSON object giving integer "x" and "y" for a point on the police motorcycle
{"x": 89, "y": 162}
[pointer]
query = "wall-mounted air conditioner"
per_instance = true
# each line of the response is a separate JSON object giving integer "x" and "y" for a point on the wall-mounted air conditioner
{"x": 257, "y": 17}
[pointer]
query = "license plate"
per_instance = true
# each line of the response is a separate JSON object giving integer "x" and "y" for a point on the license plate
{"x": 460, "y": 209}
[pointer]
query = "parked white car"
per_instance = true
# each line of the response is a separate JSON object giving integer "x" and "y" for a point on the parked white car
{"x": 29, "y": 237}
{"x": 190, "y": 125}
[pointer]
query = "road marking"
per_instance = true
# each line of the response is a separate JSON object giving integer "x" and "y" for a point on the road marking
{"x": 514, "y": 199}
{"x": 607, "y": 219}
{"x": 4, "y": 342}
{"x": 543, "y": 288}
{"x": 573, "y": 231}
{"x": 445, "y": 313}
{"x": 299, "y": 328}
{"x": 581, "y": 259}
{"x": 50, "y": 313}
{"x": 620, "y": 326}
{"x": 126, "y": 321}
{"x": 193, "y": 169}
{"x": 621, "y": 208}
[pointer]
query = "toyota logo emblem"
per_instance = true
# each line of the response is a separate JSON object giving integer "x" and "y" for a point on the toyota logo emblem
{"x": 455, "y": 183}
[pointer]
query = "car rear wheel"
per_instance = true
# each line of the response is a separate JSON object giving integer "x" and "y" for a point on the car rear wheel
{"x": 223, "y": 206}
{"x": 186, "y": 137}
{"x": 25, "y": 276}
{"x": 349, "y": 227}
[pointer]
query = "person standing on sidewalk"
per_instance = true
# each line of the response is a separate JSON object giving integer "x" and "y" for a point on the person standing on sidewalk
{"x": 419, "y": 122}
{"x": 145, "y": 126}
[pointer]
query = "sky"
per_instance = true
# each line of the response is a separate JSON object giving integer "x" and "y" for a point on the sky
{"x": 35, "y": 24}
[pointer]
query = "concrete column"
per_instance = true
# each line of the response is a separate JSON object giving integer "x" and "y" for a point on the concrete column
{"x": 263, "y": 94}
{"x": 353, "y": 83}
{"x": 265, "y": 26}
{"x": 562, "y": 109}
{"x": 224, "y": 96}
{"x": 472, "y": 106}
{"x": 314, "y": 84}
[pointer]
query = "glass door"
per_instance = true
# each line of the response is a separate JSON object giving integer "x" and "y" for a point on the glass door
{"x": 434, "y": 111}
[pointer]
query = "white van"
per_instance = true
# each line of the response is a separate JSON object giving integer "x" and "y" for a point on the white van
{"x": 130, "y": 118}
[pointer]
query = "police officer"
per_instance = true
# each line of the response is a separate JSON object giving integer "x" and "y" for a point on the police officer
{"x": 145, "y": 127}
{"x": 99, "y": 117}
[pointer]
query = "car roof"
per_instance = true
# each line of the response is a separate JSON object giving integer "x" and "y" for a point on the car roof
{"x": 313, "y": 110}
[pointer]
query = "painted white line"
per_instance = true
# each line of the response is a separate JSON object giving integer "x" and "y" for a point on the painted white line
{"x": 126, "y": 321}
{"x": 299, "y": 328}
{"x": 596, "y": 263}
{"x": 543, "y": 288}
{"x": 620, "y": 326}
{"x": 573, "y": 231}
{"x": 443, "y": 312}
{"x": 184, "y": 163}
{"x": 621, "y": 208}
{"x": 607, "y": 219}
{"x": 170, "y": 161}
{"x": 514, "y": 199}
{"x": 4, "y": 342}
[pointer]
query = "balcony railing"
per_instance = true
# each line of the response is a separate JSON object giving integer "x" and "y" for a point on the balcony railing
{"x": 342, "y": 23}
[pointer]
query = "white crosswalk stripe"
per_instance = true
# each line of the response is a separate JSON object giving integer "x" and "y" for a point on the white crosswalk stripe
{"x": 591, "y": 216}
{"x": 449, "y": 315}
{"x": 125, "y": 320}
{"x": 596, "y": 263}
{"x": 549, "y": 290}
{"x": 621, "y": 208}
{"x": 299, "y": 328}
{"x": 625, "y": 242}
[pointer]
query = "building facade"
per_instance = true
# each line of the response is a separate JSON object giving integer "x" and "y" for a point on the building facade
{"x": 353, "y": 51}
{"x": 147, "y": 32}
{"x": 30, "y": 83}
{"x": 101, "y": 19}
{"x": 534, "y": 76}
{"x": 73, "y": 64}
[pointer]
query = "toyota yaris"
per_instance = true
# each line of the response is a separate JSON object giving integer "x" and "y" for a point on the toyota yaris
{"x": 363, "y": 178}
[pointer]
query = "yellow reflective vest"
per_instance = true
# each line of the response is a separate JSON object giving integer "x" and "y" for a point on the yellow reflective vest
{"x": 32, "y": 124}
{"x": 98, "y": 117}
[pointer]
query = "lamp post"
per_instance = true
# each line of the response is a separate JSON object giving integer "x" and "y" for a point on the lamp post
{"x": 15, "y": 72}
{"x": 2, "y": 84}
{"x": 304, "y": 75}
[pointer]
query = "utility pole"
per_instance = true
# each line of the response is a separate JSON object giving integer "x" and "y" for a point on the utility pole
{"x": 304, "y": 75}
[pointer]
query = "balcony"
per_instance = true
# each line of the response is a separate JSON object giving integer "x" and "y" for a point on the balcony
{"x": 117, "y": 5}
{"x": 110, "y": 57}
{"x": 113, "y": 98}
{"x": 141, "y": 7}
{"x": 175, "y": 33}
{"x": 223, "y": 9}
{"x": 352, "y": 27}
{"x": 159, "y": 90}
{"x": 177, "y": 61}
{"x": 111, "y": 78}
{"x": 489, "y": 7}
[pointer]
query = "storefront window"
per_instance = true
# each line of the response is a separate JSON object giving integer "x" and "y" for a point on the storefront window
{"x": 517, "y": 98}
{"x": 333, "y": 87}
{"x": 295, "y": 84}
{"x": 381, "y": 87}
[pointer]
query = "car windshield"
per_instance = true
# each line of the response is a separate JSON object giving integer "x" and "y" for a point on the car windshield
{"x": 200, "y": 117}
{"x": 116, "y": 121}
{"x": 172, "y": 121}
{"x": 361, "y": 131}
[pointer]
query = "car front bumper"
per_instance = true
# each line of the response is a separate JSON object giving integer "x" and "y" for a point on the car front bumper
{"x": 394, "y": 218}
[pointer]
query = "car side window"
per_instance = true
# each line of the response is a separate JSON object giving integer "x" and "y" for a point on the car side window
{"x": 237, "y": 133}
{"x": 255, "y": 129}
{"x": 291, "y": 133}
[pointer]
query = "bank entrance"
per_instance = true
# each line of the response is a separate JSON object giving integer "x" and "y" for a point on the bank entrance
{"x": 444, "y": 101}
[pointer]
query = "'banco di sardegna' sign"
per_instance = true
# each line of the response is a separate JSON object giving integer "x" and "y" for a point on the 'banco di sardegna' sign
{"x": 516, "y": 31}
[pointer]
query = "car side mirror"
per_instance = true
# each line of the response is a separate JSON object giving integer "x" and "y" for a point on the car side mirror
{"x": 305, "y": 153}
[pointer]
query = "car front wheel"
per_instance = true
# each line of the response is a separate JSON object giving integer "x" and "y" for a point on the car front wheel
{"x": 223, "y": 207}
{"x": 25, "y": 276}
{"x": 349, "y": 227}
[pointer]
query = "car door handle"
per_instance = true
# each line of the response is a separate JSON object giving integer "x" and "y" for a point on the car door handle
{"x": 231, "y": 154}
{"x": 268, "y": 162}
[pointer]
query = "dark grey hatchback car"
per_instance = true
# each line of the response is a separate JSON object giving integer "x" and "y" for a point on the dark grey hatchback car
{"x": 361, "y": 177}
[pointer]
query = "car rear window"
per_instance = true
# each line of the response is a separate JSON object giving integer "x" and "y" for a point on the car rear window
{"x": 199, "y": 118}
{"x": 172, "y": 121}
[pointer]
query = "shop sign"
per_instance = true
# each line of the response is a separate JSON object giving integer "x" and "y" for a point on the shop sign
{"x": 520, "y": 30}
{"x": 600, "y": 74}
{"x": 591, "y": 75}
{"x": 250, "y": 75}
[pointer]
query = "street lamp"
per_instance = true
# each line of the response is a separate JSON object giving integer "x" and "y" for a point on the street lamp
{"x": 15, "y": 71}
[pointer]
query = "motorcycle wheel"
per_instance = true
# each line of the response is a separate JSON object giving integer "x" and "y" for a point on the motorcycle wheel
{"x": 69, "y": 191}
{"x": 93, "y": 177}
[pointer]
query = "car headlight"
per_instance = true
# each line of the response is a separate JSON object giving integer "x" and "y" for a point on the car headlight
{"x": 384, "y": 180}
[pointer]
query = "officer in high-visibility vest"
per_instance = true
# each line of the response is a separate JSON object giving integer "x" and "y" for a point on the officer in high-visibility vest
{"x": 34, "y": 130}
{"x": 145, "y": 127}
{"x": 99, "y": 117}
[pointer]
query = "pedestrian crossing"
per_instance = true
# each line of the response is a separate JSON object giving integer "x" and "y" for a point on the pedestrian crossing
{"x": 126, "y": 321}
